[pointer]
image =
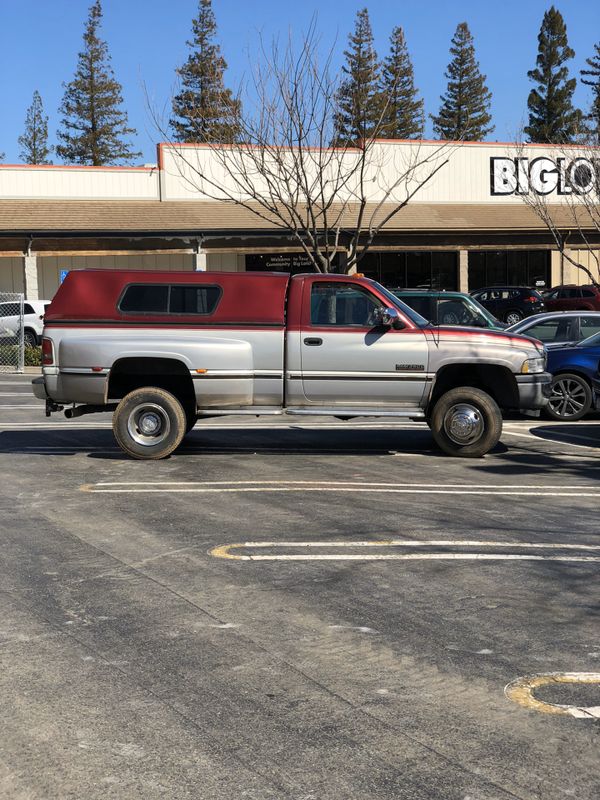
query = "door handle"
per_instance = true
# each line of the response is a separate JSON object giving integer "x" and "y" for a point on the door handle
{"x": 313, "y": 341}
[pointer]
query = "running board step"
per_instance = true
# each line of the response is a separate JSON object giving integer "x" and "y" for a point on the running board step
{"x": 259, "y": 411}
{"x": 250, "y": 411}
{"x": 337, "y": 411}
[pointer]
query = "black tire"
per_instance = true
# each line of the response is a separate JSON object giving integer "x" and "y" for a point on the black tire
{"x": 570, "y": 398}
{"x": 190, "y": 420}
{"x": 466, "y": 422}
{"x": 163, "y": 417}
{"x": 29, "y": 338}
{"x": 512, "y": 317}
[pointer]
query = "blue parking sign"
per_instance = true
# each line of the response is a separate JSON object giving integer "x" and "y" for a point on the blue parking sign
{"x": 63, "y": 274}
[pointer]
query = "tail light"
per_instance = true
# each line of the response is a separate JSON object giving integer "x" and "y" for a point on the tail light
{"x": 47, "y": 352}
{"x": 531, "y": 299}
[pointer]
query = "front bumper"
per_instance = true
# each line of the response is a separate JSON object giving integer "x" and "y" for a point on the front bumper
{"x": 534, "y": 390}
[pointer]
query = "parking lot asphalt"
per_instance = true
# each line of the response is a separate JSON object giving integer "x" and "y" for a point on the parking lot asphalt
{"x": 318, "y": 611}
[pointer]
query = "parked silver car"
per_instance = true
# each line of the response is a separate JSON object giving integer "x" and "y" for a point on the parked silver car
{"x": 557, "y": 328}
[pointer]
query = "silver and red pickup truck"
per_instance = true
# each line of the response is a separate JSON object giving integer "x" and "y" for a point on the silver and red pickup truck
{"x": 164, "y": 349}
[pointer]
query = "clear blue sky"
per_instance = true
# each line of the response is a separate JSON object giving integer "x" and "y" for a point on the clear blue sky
{"x": 39, "y": 42}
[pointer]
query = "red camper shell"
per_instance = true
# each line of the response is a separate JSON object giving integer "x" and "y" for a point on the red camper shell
{"x": 95, "y": 296}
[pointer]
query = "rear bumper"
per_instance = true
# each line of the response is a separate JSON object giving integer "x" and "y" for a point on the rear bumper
{"x": 75, "y": 386}
{"x": 38, "y": 387}
{"x": 534, "y": 390}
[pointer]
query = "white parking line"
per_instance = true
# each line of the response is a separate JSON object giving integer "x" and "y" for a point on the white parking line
{"x": 230, "y": 487}
{"x": 225, "y": 551}
{"x": 65, "y": 426}
{"x": 22, "y": 405}
{"x": 541, "y": 438}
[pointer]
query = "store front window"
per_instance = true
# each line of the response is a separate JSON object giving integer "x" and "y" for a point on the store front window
{"x": 412, "y": 270}
{"x": 509, "y": 268}
{"x": 406, "y": 270}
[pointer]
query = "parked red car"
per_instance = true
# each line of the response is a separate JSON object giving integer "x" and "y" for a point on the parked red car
{"x": 573, "y": 298}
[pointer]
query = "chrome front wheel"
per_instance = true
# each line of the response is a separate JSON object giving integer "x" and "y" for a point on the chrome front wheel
{"x": 464, "y": 424}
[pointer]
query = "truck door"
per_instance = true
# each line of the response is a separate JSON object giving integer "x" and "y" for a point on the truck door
{"x": 346, "y": 358}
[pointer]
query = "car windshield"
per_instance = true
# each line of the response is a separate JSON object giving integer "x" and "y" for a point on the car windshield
{"x": 397, "y": 303}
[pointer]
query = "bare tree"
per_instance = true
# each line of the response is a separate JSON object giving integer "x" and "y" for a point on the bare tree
{"x": 563, "y": 191}
{"x": 284, "y": 171}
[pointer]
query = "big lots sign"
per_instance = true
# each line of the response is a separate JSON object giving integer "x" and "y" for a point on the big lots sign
{"x": 544, "y": 175}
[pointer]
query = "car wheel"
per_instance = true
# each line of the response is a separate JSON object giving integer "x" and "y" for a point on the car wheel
{"x": 466, "y": 422}
{"x": 29, "y": 338}
{"x": 570, "y": 398}
{"x": 450, "y": 318}
{"x": 512, "y": 317}
{"x": 149, "y": 423}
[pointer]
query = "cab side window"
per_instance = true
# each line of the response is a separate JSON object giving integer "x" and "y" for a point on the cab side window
{"x": 342, "y": 305}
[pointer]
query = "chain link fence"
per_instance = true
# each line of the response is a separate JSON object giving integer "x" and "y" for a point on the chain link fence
{"x": 12, "y": 349}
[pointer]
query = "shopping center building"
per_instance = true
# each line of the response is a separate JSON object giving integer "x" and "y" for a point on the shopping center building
{"x": 467, "y": 227}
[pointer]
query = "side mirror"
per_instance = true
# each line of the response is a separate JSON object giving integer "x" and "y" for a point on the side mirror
{"x": 389, "y": 317}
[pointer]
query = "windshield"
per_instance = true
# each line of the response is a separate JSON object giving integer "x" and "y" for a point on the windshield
{"x": 407, "y": 310}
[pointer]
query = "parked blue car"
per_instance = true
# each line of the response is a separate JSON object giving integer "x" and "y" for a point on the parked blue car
{"x": 576, "y": 384}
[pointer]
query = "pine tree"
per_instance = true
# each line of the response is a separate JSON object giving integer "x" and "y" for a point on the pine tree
{"x": 465, "y": 110}
{"x": 204, "y": 110}
{"x": 34, "y": 140}
{"x": 95, "y": 129}
{"x": 552, "y": 117}
{"x": 403, "y": 116}
{"x": 593, "y": 118}
{"x": 358, "y": 98}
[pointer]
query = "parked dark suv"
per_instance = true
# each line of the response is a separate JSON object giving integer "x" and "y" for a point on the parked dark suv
{"x": 510, "y": 303}
{"x": 573, "y": 298}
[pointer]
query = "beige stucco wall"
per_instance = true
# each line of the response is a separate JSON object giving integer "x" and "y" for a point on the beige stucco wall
{"x": 470, "y": 172}
{"x": 11, "y": 274}
{"x": 78, "y": 183}
{"x": 49, "y": 267}
{"x": 587, "y": 258}
{"x": 226, "y": 262}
